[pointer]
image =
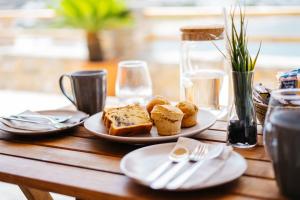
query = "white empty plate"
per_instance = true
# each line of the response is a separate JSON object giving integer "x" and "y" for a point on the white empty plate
{"x": 140, "y": 163}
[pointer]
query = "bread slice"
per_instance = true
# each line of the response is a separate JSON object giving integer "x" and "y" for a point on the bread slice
{"x": 127, "y": 120}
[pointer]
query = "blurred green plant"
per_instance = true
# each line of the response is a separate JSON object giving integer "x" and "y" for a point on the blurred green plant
{"x": 93, "y": 16}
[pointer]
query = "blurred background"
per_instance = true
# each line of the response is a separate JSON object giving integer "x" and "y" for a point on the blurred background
{"x": 42, "y": 39}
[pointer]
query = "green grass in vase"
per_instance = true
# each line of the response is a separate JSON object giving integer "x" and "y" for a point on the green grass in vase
{"x": 241, "y": 60}
{"x": 242, "y": 64}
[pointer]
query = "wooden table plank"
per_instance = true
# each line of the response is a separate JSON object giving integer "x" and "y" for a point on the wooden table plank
{"x": 222, "y": 126}
{"x": 98, "y": 162}
{"x": 260, "y": 169}
{"x": 61, "y": 156}
{"x": 221, "y": 136}
{"x": 88, "y": 184}
{"x": 270, "y": 190}
{"x": 257, "y": 153}
{"x": 65, "y": 141}
{"x": 100, "y": 146}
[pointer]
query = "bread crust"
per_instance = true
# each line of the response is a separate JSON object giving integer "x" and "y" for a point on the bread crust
{"x": 131, "y": 130}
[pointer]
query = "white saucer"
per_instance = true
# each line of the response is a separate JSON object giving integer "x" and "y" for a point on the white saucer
{"x": 76, "y": 115}
{"x": 139, "y": 163}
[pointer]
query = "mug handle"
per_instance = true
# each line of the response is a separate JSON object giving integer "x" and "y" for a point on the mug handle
{"x": 62, "y": 88}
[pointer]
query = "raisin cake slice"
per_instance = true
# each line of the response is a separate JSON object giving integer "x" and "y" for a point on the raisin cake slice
{"x": 131, "y": 119}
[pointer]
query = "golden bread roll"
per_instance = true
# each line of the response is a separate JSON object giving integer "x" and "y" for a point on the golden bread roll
{"x": 157, "y": 100}
{"x": 167, "y": 119}
{"x": 190, "y": 111}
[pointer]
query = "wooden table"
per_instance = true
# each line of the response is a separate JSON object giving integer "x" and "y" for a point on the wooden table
{"x": 80, "y": 165}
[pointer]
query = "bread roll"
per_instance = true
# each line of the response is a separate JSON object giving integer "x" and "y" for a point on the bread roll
{"x": 167, "y": 119}
{"x": 157, "y": 100}
{"x": 190, "y": 111}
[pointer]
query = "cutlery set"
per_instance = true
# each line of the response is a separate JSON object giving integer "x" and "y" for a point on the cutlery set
{"x": 29, "y": 123}
{"x": 55, "y": 121}
{"x": 171, "y": 175}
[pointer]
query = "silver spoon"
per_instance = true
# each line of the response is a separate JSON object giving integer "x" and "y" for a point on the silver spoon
{"x": 198, "y": 159}
{"x": 177, "y": 155}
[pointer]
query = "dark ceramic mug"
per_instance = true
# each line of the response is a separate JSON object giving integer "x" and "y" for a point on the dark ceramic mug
{"x": 88, "y": 90}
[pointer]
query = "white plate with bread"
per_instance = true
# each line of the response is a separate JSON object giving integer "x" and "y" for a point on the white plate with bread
{"x": 159, "y": 122}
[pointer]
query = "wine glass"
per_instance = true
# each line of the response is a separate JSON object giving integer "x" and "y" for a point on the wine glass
{"x": 282, "y": 138}
{"x": 133, "y": 84}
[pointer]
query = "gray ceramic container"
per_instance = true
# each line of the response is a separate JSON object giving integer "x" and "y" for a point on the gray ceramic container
{"x": 88, "y": 90}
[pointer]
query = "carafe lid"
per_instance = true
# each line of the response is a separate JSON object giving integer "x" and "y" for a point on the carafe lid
{"x": 202, "y": 33}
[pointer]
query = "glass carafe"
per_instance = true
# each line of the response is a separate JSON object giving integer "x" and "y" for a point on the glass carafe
{"x": 203, "y": 73}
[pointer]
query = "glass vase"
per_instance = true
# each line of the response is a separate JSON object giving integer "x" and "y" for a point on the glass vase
{"x": 242, "y": 126}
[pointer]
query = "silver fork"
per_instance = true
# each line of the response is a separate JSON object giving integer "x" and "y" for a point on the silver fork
{"x": 53, "y": 122}
{"x": 197, "y": 155}
{"x": 163, "y": 180}
{"x": 199, "y": 158}
{"x": 60, "y": 119}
